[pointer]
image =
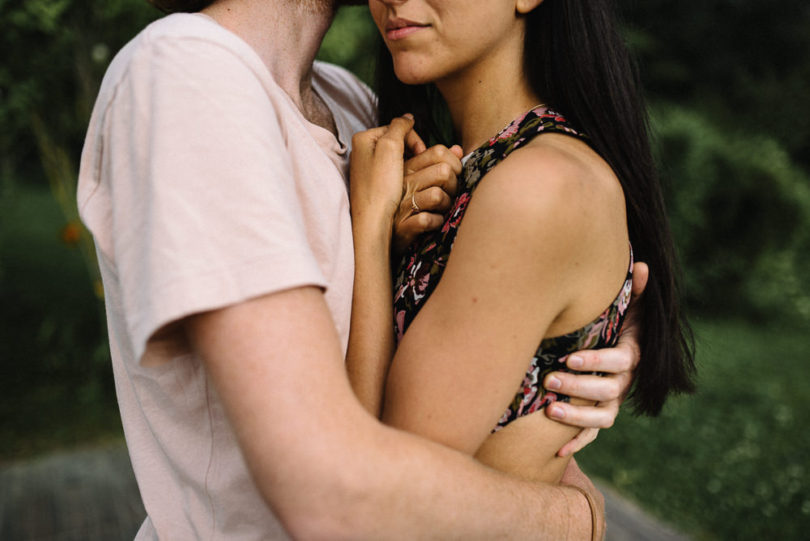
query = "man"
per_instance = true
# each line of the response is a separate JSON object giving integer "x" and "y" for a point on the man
{"x": 212, "y": 181}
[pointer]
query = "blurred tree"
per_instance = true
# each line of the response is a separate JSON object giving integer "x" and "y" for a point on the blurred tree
{"x": 742, "y": 63}
{"x": 54, "y": 54}
{"x": 55, "y": 372}
{"x": 740, "y": 211}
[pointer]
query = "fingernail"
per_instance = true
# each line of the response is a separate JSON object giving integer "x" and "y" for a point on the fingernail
{"x": 576, "y": 362}
{"x": 553, "y": 383}
{"x": 556, "y": 413}
{"x": 408, "y": 115}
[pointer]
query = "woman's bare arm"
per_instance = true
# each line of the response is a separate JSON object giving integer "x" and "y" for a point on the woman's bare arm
{"x": 430, "y": 176}
{"x": 522, "y": 255}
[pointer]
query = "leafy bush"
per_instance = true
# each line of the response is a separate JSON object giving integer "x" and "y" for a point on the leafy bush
{"x": 740, "y": 212}
{"x": 730, "y": 462}
{"x": 54, "y": 54}
{"x": 740, "y": 62}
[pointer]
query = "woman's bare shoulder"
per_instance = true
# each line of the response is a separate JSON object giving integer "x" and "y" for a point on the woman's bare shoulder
{"x": 559, "y": 201}
{"x": 564, "y": 162}
{"x": 556, "y": 179}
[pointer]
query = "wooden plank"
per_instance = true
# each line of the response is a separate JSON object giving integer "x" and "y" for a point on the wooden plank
{"x": 82, "y": 495}
{"x": 628, "y": 522}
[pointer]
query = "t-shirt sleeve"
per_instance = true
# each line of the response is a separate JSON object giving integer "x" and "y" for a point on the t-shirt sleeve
{"x": 204, "y": 209}
{"x": 355, "y": 103}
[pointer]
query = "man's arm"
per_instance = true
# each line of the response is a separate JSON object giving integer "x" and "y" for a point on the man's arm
{"x": 332, "y": 471}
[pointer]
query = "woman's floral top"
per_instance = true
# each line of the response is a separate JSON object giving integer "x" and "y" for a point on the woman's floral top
{"x": 423, "y": 264}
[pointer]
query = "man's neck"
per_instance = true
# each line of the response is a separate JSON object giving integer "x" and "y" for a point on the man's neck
{"x": 286, "y": 34}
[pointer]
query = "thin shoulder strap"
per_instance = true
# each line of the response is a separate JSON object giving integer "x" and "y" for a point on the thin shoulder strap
{"x": 514, "y": 136}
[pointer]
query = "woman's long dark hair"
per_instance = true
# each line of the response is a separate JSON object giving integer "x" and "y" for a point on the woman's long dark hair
{"x": 577, "y": 62}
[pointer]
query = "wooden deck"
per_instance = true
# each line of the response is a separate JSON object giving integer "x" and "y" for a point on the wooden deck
{"x": 91, "y": 495}
{"x": 83, "y": 496}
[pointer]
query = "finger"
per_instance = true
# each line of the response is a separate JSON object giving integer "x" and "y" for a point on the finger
{"x": 641, "y": 273}
{"x": 627, "y": 347}
{"x": 414, "y": 143}
{"x": 433, "y": 155}
{"x": 621, "y": 358}
{"x": 632, "y": 328}
{"x": 433, "y": 199}
{"x": 592, "y": 388}
{"x": 585, "y": 437}
{"x": 364, "y": 142}
{"x": 439, "y": 174}
{"x": 417, "y": 224}
{"x": 632, "y": 325}
{"x": 457, "y": 150}
{"x": 397, "y": 131}
{"x": 600, "y": 416}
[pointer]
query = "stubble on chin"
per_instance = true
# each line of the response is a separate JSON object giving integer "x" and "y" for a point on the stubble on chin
{"x": 321, "y": 7}
{"x": 316, "y": 6}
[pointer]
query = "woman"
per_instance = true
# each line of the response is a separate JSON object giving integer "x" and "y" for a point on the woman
{"x": 551, "y": 211}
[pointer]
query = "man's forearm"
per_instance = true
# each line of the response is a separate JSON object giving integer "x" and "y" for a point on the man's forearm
{"x": 399, "y": 486}
{"x": 332, "y": 471}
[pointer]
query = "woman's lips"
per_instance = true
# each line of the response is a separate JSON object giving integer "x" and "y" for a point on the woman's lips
{"x": 401, "y": 28}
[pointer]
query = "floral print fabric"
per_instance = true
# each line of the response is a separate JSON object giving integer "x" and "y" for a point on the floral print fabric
{"x": 423, "y": 264}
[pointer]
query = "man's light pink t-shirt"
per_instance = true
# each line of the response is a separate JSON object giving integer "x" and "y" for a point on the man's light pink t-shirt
{"x": 203, "y": 187}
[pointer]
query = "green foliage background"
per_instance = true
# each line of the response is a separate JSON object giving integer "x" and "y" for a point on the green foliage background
{"x": 728, "y": 83}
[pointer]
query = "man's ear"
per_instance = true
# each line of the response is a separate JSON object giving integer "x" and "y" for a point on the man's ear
{"x": 524, "y": 7}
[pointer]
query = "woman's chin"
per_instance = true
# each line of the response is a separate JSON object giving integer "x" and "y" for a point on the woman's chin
{"x": 412, "y": 72}
{"x": 409, "y": 77}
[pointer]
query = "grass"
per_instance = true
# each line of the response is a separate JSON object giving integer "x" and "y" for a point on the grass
{"x": 731, "y": 462}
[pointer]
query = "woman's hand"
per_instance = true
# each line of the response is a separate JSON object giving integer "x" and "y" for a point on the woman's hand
{"x": 378, "y": 171}
{"x": 608, "y": 391}
{"x": 431, "y": 180}
{"x": 378, "y": 181}
{"x": 419, "y": 189}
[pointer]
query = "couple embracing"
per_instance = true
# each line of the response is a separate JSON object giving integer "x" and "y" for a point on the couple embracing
{"x": 296, "y": 353}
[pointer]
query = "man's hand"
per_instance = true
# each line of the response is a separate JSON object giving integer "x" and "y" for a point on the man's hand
{"x": 608, "y": 391}
{"x": 431, "y": 178}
